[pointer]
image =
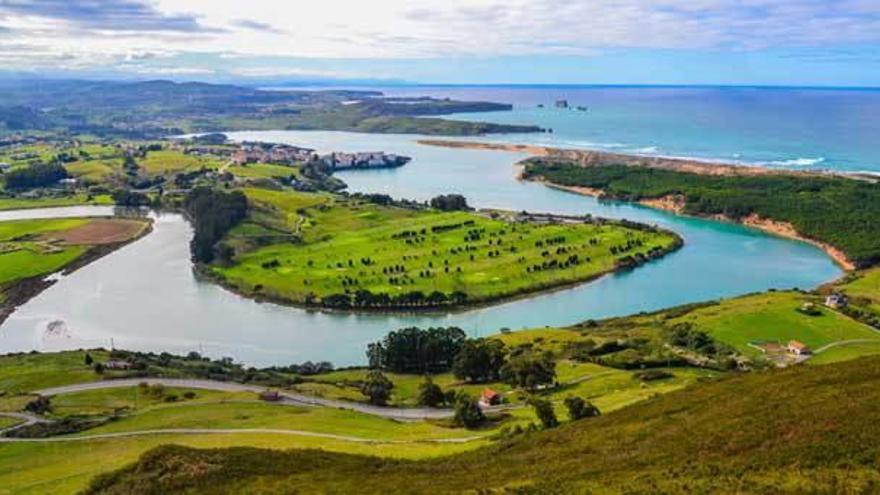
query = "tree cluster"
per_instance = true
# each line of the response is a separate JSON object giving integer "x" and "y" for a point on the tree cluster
{"x": 413, "y": 350}
{"x": 35, "y": 175}
{"x": 213, "y": 213}
{"x": 450, "y": 202}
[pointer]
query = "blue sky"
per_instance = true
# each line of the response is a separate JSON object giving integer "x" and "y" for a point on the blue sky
{"x": 761, "y": 42}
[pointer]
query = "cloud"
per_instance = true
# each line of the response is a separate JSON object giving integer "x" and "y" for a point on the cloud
{"x": 105, "y": 15}
{"x": 255, "y": 25}
{"x": 114, "y": 31}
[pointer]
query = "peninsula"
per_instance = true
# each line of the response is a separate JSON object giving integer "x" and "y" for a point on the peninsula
{"x": 839, "y": 213}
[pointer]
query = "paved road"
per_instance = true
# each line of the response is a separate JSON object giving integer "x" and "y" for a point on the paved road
{"x": 290, "y": 398}
{"x": 207, "y": 431}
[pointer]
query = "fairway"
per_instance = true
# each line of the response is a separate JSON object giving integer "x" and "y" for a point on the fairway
{"x": 350, "y": 253}
{"x": 773, "y": 317}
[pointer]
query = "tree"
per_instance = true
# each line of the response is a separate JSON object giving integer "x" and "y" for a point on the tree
{"x": 450, "y": 202}
{"x": 40, "y": 405}
{"x": 579, "y": 408}
{"x": 479, "y": 360}
{"x": 36, "y": 175}
{"x": 430, "y": 394}
{"x": 529, "y": 370}
{"x": 545, "y": 413}
{"x": 468, "y": 412}
{"x": 413, "y": 350}
{"x": 88, "y": 359}
{"x": 213, "y": 213}
{"x": 377, "y": 388}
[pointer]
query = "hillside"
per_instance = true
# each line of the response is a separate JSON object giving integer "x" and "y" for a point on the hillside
{"x": 838, "y": 212}
{"x": 803, "y": 428}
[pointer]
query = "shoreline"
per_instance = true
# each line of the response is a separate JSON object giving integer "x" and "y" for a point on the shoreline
{"x": 670, "y": 204}
{"x": 205, "y": 272}
{"x": 587, "y": 157}
{"x": 675, "y": 206}
{"x": 22, "y": 291}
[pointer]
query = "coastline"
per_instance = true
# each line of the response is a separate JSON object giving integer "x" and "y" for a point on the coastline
{"x": 669, "y": 203}
{"x": 674, "y": 204}
{"x": 588, "y": 158}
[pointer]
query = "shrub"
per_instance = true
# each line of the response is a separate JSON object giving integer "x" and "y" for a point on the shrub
{"x": 579, "y": 408}
{"x": 468, "y": 412}
{"x": 377, "y": 388}
{"x": 545, "y": 413}
{"x": 430, "y": 394}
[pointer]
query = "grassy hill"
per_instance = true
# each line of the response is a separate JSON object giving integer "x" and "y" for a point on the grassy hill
{"x": 318, "y": 249}
{"x": 803, "y": 429}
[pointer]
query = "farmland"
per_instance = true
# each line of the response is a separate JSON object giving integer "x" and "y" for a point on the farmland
{"x": 347, "y": 252}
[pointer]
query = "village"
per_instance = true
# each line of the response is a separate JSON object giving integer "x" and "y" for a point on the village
{"x": 286, "y": 154}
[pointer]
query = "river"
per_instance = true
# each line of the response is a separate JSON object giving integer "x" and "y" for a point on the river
{"x": 146, "y": 297}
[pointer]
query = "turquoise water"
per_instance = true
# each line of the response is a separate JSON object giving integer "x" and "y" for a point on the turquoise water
{"x": 798, "y": 128}
{"x": 146, "y": 297}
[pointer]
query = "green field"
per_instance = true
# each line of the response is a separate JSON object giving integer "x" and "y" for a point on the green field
{"x": 54, "y": 201}
{"x": 263, "y": 171}
{"x": 773, "y": 317}
{"x": 338, "y": 247}
{"x": 752, "y": 433}
{"x": 22, "y": 373}
{"x": 865, "y": 286}
{"x": 24, "y": 255}
{"x": 171, "y": 161}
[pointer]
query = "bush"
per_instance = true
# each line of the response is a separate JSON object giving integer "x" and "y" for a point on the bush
{"x": 579, "y": 408}
{"x": 468, "y": 412}
{"x": 189, "y": 395}
{"x": 40, "y": 405}
{"x": 545, "y": 413}
{"x": 377, "y": 388}
{"x": 430, "y": 394}
{"x": 529, "y": 370}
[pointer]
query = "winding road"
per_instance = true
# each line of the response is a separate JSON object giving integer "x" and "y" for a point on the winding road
{"x": 290, "y": 398}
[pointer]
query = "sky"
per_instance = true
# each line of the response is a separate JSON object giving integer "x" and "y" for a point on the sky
{"x": 749, "y": 42}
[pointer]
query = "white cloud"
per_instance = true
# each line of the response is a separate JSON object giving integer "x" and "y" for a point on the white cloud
{"x": 119, "y": 30}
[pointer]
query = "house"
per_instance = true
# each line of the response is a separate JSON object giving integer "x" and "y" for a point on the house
{"x": 489, "y": 398}
{"x": 69, "y": 182}
{"x": 561, "y": 103}
{"x": 270, "y": 396}
{"x": 836, "y": 301}
{"x": 798, "y": 348}
{"x": 116, "y": 364}
{"x": 5, "y": 166}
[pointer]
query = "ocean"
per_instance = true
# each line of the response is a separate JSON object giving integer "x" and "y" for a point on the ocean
{"x": 797, "y": 128}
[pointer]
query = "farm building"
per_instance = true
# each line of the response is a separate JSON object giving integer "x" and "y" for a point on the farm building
{"x": 489, "y": 397}
{"x": 798, "y": 348}
{"x": 836, "y": 301}
{"x": 270, "y": 396}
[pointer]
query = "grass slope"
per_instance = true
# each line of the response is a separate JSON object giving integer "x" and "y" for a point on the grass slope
{"x": 340, "y": 246}
{"x": 802, "y": 429}
{"x": 774, "y": 317}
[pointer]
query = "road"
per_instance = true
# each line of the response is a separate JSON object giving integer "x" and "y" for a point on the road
{"x": 229, "y": 431}
{"x": 290, "y": 398}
